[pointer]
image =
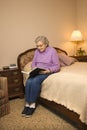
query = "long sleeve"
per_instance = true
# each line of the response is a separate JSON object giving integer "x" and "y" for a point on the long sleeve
{"x": 55, "y": 62}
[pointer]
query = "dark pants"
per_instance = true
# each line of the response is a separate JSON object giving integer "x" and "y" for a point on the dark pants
{"x": 33, "y": 87}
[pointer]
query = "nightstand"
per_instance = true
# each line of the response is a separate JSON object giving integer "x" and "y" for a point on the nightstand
{"x": 15, "y": 84}
{"x": 81, "y": 58}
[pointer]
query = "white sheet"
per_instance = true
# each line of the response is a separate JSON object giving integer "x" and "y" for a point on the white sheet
{"x": 69, "y": 88}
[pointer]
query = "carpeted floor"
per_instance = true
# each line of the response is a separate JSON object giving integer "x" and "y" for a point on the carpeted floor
{"x": 42, "y": 119}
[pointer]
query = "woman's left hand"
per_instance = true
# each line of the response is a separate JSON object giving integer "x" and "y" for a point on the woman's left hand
{"x": 45, "y": 72}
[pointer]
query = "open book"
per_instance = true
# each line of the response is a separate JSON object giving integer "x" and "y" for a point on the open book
{"x": 33, "y": 72}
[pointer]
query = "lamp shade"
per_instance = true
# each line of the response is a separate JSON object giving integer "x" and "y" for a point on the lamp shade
{"x": 76, "y": 36}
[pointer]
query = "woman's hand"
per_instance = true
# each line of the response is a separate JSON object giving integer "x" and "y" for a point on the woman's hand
{"x": 45, "y": 72}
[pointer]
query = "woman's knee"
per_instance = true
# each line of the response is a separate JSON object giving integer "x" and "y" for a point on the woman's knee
{"x": 36, "y": 81}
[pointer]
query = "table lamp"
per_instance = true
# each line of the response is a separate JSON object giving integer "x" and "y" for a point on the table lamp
{"x": 76, "y": 37}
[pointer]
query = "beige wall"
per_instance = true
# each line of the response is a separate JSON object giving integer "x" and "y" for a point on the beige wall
{"x": 82, "y": 21}
{"x": 21, "y": 21}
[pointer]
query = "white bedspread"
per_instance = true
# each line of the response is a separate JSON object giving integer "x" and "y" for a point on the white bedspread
{"x": 69, "y": 88}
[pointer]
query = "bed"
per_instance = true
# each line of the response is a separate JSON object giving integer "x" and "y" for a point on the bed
{"x": 64, "y": 92}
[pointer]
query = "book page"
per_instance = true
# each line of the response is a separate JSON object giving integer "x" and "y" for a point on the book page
{"x": 25, "y": 72}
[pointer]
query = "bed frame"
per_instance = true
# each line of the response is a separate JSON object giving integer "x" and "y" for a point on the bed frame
{"x": 70, "y": 116}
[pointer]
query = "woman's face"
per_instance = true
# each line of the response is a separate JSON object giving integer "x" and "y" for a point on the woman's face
{"x": 41, "y": 46}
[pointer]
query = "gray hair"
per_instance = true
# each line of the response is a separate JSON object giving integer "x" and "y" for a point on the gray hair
{"x": 43, "y": 39}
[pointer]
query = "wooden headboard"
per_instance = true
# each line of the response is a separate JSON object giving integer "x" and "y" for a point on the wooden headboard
{"x": 27, "y": 56}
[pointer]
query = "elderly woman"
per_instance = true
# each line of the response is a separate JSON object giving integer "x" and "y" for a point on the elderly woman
{"x": 45, "y": 57}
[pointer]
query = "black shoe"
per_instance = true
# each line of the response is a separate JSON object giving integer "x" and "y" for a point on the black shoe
{"x": 25, "y": 111}
{"x": 29, "y": 112}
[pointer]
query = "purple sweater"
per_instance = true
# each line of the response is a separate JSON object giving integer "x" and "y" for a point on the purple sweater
{"x": 48, "y": 59}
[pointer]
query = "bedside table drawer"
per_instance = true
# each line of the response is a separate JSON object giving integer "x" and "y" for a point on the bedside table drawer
{"x": 14, "y": 91}
{"x": 14, "y": 81}
{"x": 15, "y": 73}
{"x": 10, "y": 74}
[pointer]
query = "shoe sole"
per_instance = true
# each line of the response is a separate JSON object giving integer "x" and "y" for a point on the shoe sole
{"x": 24, "y": 115}
{"x": 27, "y": 116}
